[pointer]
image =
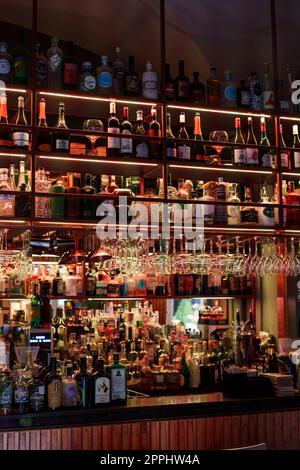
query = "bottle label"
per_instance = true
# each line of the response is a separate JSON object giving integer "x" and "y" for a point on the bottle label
{"x": 239, "y": 156}
{"x": 21, "y": 394}
{"x": 268, "y": 99}
{"x": 284, "y": 160}
{"x": 252, "y": 156}
{"x": 126, "y": 144}
{"x": 69, "y": 393}
{"x": 249, "y": 216}
{"x": 70, "y": 73}
{"x": 118, "y": 384}
{"x": 245, "y": 98}
{"x": 89, "y": 82}
{"x": 113, "y": 142}
{"x": 104, "y": 79}
{"x": 267, "y": 215}
{"x": 171, "y": 152}
{"x": 230, "y": 93}
{"x": 169, "y": 90}
{"x": 102, "y": 390}
{"x": 54, "y": 62}
{"x": 132, "y": 84}
{"x": 112, "y": 289}
{"x": 183, "y": 152}
{"x": 150, "y": 89}
{"x": 101, "y": 288}
{"x": 6, "y": 393}
{"x": 297, "y": 159}
{"x": 233, "y": 215}
{"x": 142, "y": 150}
{"x": 20, "y": 139}
{"x": 77, "y": 148}
{"x": 54, "y": 394}
{"x": 267, "y": 160}
{"x": 61, "y": 144}
{"x": 41, "y": 70}
{"x": 4, "y": 66}
{"x": 183, "y": 89}
{"x": 37, "y": 398}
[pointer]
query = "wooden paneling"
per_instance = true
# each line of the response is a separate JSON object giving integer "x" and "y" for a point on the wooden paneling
{"x": 280, "y": 430}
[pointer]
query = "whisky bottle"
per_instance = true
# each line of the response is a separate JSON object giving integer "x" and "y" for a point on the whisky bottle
{"x": 70, "y": 68}
{"x": 265, "y": 214}
{"x": 182, "y": 83}
{"x": 84, "y": 384}
{"x": 249, "y": 213}
{"x": 101, "y": 386}
{"x": 118, "y": 381}
{"x": 132, "y": 79}
{"x": 21, "y": 394}
{"x": 53, "y": 386}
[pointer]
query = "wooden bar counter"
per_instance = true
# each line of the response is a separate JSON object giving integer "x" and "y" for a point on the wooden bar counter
{"x": 187, "y": 422}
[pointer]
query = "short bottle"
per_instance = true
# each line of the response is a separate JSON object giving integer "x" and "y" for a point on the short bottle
{"x": 36, "y": 391}
{"x": 150, "y": 83}
{"x": 233, "y": 212}
{"x": 118, "y": 381}
{"x": 249, "y": 213}
{"x": 228, "y": 91}
{"x": 242, "y": 95}
{"x": 220, "y": 217}
{"x": 70, "y": 395}
{"x": 5, "y": 63}
{"x": 266, "y": 213}
{"x": 41, "y": 67}
{"x": 131, "y": 79}
{"x": 101, "y": 385}
{"x": 87, "y": 80}
{"x": 182, "y": 83}
{"x": 105, "y": 77}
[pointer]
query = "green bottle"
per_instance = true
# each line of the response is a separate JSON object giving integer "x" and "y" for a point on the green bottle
{"x": 35, "y": 308}
{"x": 118, "y": 381}
{"x": 21, "y": 62}
{"x": 58, "y": 204}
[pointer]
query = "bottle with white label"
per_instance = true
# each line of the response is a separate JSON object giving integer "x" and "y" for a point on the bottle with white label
{"x": 150, "y": 83}
{"x": 268, "y": 93}
{"x": 141, "y": 145}
{"x": 55, "y": 57}
{"x": 266, "y": 156}
{"x": 266, "y": 214}
{"x": 296, "y": 146}
{"x": 118, "y": 381}
{"x": 284, "y": 153}
{"x": 233, "y": 212}
{"x": 20, "y": 136}
{"x": 61, "y": 139}
{"x": 183, "y": 149}
{"x": 101, "y": 388}
{"x": 105, "y": 77}
{"x": 251, "y": 152}
{"x": 171, "y": 144}
{"x": 5, "y": 63}
{"x": 87, "y": 80}
{"x": 126, "y": 131}
{"x": 239, "y": 154}
{"x": 208, "y": 209}
{"x": 228, "y": 91}
{"x": 113, "y": 127}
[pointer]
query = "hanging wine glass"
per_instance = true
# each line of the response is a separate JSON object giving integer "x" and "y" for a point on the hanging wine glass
{"x": 219, "y": 137}
{"x": 93, "y": 125}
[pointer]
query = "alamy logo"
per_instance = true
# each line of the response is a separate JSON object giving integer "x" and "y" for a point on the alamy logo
{"x": 296, "y": 94}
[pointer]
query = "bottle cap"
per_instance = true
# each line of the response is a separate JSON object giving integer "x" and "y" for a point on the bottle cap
{"x": 149, "y": 66}
{"x": 104, "y": 59}
{"x": 86, "y": 66}
{"x": 295, "y": 129}
{"x": 3, "y": 46}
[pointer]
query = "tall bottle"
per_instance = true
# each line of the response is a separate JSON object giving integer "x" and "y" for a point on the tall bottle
{"x": 197, "y": 90}
{"x": 53, "y": 385}
{"x": 84, "y": 384}
{"x": 265, "y": 214}
{"x": 239, "y": 154}
{"x": 296, "y": 146}
{"x": 5, "y": 138}
{"x": 113, "y": 127}
{"x": 5, "y": 63}
{"x": 36, "y": 391}
{"x": 251, "y": 152}
{"x": 35, "y": 308}
{"x": 171, "y": 144}
{"x": 131, "y": 79}
{"x": 170, "y": 92}
{"x": 266, "y": 157}
{"x": 126, "y": 131}
{"x": 199, "y": 150}
{"x": 150, "y": 83}
{"x": 21, "y": 394}
{"x": 55, "y": 58}
{"x": 44, "y": 141}
{"x": 233, "y": 212}
{"x": 70, "y": 68}
{"x": 213, "y": 88}
{"x": 70, "y": 395}
{"x": 208, "y": 209}
{"x": 154, "y": 131}
{"x": 61, "y": 139}
{"x": 21, "y": 62}
{"x": 220, "y": 217}
{"x": 182, "y": 83}
{"x": 285, "y": 157}
{"x": 6, "y": 391}
{"x": 183, "y": 148}
{"x": 119, "y": 73}
{"x": 118, "y": 381}
{"x": 101, "y": 387}
{"x": 268, "y": 93}
{"x": 255, "y": 92}
{"x": 41, "y": 67}
{"x": 21, "y": 137}
{"x": 275, "y": 200}
{"x": 249, "y": 213}
{"x": 141, "y": 145}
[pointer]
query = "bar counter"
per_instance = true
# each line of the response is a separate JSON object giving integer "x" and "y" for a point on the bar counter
{"x": 189, "y": 422}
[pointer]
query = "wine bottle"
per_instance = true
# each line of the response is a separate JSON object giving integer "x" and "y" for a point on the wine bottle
{"x": 154, "y": 131}
{"x": 183, "y": 149}
{"x": 113, "y": 127}
{"x": 285, "y": 157}
{"x": 266, "y": 157}
{"x": 53, "y": 384}
{"x": 171, "y": 144}
{"x": 141, "y": 145}
{"x": 44, "y": 138}
{"x": 199, "y": 150}
{"x": 132, "y": 79}
{"x": 5, "y": 139}
{"x": 239, "y": 154}
{"x": 70, "y": 68}
{"x": 182, "y": 83}
{"x": 251, "y": 152}
{"x": 169, "y": 85}
{"x": 21, "y": 137}
{"x": 126, "y": 131}
{"x": 296, "y": 146}
{"x": 61, "y": 139}
{"x": 197, "y": 90}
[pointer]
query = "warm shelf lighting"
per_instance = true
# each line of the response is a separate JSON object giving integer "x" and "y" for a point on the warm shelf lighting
{"x": 219, "y": 111}
{"x": 239, "y": 230}
{"x": 289, "y": 118}
{"x": 67, "y": 224}
{"x": 91, "y": 160}
{"x": 291, "y": 174}
{"x": 5, "y": 154}
{"x": 95, "y": 98}
{"x": 12, "y": 221}
{"x": 229, "y": 170}
{"x": 16, "y": 90}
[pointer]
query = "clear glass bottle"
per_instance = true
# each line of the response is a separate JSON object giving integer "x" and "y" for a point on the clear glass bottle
{"x": 7, "y": 202}
{"x": 5, "y": 63}
{"x": 42, "y": 204}
{"x": 171, "y": 144}
{"x": 55, "y": 58}
{"x": 6, "y": 391}
{"x": 265, "y": 214}
{"x": 208, "y": 209}
{"x": 70, "y": 395}
{"x": 21, "y": 394}
{"x": 104, "y": 77}
{"x": 150, "y": 83}
{"x": 87, "y": 80}
{"x": 220, "y": 217}
{"x": 268, "y": 93}
{"x": 233, "y": 212}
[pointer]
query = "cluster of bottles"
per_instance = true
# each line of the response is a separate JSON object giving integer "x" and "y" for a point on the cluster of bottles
{"x": 12, "y": 179}
{"x": 19, "y": 137}
{"x": 291, "y": 197}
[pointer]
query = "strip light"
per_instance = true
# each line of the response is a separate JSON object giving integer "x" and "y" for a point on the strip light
{"x": 4, "y": 154}
{"x": 12, "y": 221}
{"x": 229, "y": 170}
{"x": 219, "y": 111}
{"x": 289, "y": 118}
{"x": 291, "y": 174}
{"x": 227, "y": 229}
{"x": 95, "y": 98}
{"x": 16, "y": 90}
{"x": 69, "y": 224}
{"x": 90, "y": 160}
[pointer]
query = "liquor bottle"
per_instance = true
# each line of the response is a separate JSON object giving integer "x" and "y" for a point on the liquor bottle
{"x": 213, "y": 88}
{"x": 292, "y": 198}
{"x": 21, "y": 394}
{"x": 268, "y": 93}
{"x": 171, "y": 144}
{"x": 22, "y": 201}
{"x": 70, "y": 68}
{"x": 220, "y": 216}
{"x": 87, "y": 80}
{"x": 35, "y": 308}
{"x": 265, "y": 214}
{"x": 113, "y": 127}
{"x": 55, "y": 58}
{"x": 239, "y": 154}
{"x": 90, "y": 284}
{"x": 209, "y": 209}
{"x": 199, "y": 150}
{"x": 141, "y": 145}
{"x": 132, "y": 79}
{"x": 266, "y": 157}
{"x": 105, "y": 77}
{"x": 61, "y": 139}
{"x": 84, "y": 384}
{"x": 41, "y": 67}
{"x": 126, "y": 130}
{"x": 197, "y": 90}
{"x": 242, "y": 95}
{"x": 233, "y": 212}
{"x": 73, "y": 206}
{"x": 101, "y": 386}
{"x": 20, "y": 137}
{"x": 36, "y": 391}
{"x": 5, "y": 63}
{"x": 53, "y": 384}
{"x": 228, "y": 88}
{"x": 58, "y": 287}
{"x": 70, "y": 395}
{"x": 5, "y": 139}
{"x": 183, "y": 149}
{"x": 21, "y": 62}
{"x": 296, "y": 146}
{"x": 249, "y": 213}
{"x": 6, "y": 390}
{"x": 154, "y": 131}
{"x": 118, "y": 381}
{"x": 58, "y": 206}
{"x": 275, "y": 200}
{"x": 119, "y": 74}
{"x": 169, "y": 85}
{"x": 285, "y": 157}
{"x": 44, "y": 141}
{"x": 150, "y": 83}
{"x": 182, "y": 83}
{"x": 251, "y": 152}
{"x": 88, "y": 210}
{"x": 255, "y": 92}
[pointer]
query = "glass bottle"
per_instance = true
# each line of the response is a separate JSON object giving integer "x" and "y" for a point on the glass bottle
{"x": 104, "y": 77}
{"x": 220, "y": 217}
{"x": 22, "y": 201}
{"x": 292, "y": 198}
{"x": 5, "y": 63}
{"x": 5, "y": 138}
{"x": 197, "y": 90}
{"x": 44, "y": 140}
{"x": 141, "y": 145}
{"x": 58, "y": 204}
{"x": 119, "y": 73}
{"x": 266, "y": 157}
{"x": 87, "y": 80}
{"x": 154, "y": 131}
{"x": 113, "y": 127}
{"x": 126, "y": 130}
{"x": 84, "y": 384}
{"x": 296, "y": 146}
{"x": 7, "y": 202}
{"x": 275, "y": 200}
{"x": 70, "y": 395}
{"x": 118, "y": 381}
{"x": 101, "y": 385}
{"x": 239, "y": 154}
{"x": 251, "y": 152}
{"x": 73, "y": 206}
{"x": 199, "y": 150}
{"x": 183, "y": 149}
{"x": 55, "y": 58}
{"x": 213, "y": 87}
{"x": 169, "y": 85}
{"x": 150, "y": 83}
{"x": 61, "y": 139}
{"x": 265, "y": 214}
{"x": 132, "y": 79}
{"x": 88, "y": 206}
{"x": 182, "y": 83}
{"x": 255, "y": 92}
{"x": 242, "y": 95}
{"x": 53, "y": 385}
{"x": 36, "y": 391}
{"x": 233, "y": 212}
{"x": 6, "y": 390}
{"x": 42, "y": 204}
{"x": 208, "y": 209}
{"x": 35, "y": 308}
{"x": 41, "y": 67}
{"x": 268, "y": 94}
{"x": 21, "y": 394}
{"x": 21, "y": 137}
{"x": 171, "y": 144}
{"x": 249, "y": 213}
{"x": 228, "y": 91}
{"x": 21, "y": 62}
{"x": 70, "y": 68}
{"x": 285, "y": 157}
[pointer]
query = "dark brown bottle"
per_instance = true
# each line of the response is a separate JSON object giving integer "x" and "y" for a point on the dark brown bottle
{"x": 169, "y": 85}
{"x": 83, "y": 379}
{"x": 113, "y": 127}
{"x": 53, "y": 386}
{"x": 197, "y": 90}
{"x": 70, "y": 69}
{"x": 154, "y": 131}
{"x": 182, "y": 83}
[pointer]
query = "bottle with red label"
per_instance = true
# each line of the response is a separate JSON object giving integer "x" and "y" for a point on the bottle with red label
{"x": 70, "y": 69}
{"x": 292, "y": 198}
{"x": 154, "y": 131}
{"x": 182, "y": 84}
{"x": 169, "y": 85}
{"x": 5, "y": 139}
